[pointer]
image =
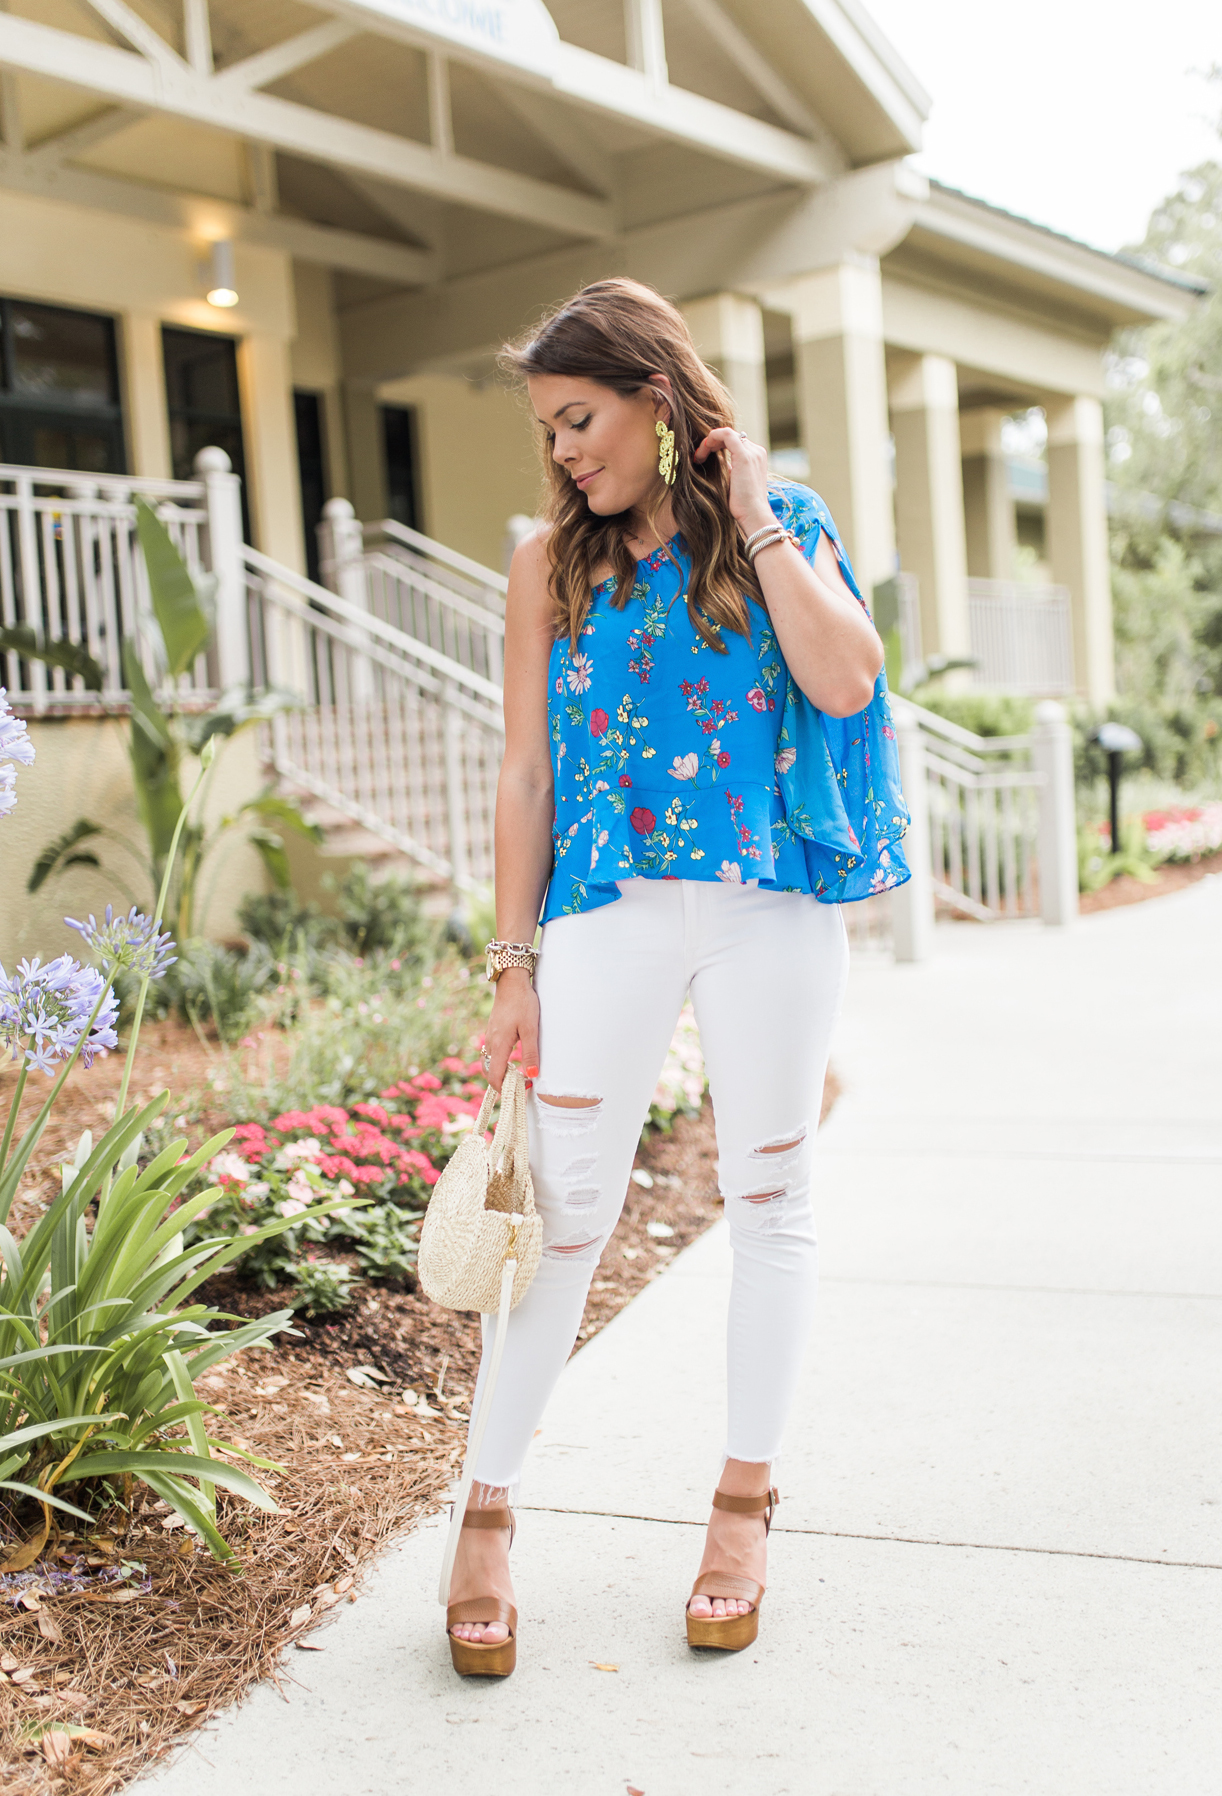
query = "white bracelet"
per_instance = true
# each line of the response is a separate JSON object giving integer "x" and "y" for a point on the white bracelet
{"x": 764, "y": 530}
{"x": 778, "y": 535}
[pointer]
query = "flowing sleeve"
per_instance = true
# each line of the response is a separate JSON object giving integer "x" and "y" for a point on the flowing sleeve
{"x": 839, "y": 777}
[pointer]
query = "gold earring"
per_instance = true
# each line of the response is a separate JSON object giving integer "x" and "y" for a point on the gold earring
{"x": 666, "y": 452}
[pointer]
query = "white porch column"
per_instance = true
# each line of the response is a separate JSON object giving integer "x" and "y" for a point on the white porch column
{"x": 266, "y": 380}
{"x": 929, "y": 496}
{"x": 148, "y": 422}
{"x": 988, "y": 508}
{"x": 729, "y": 334}
{"x": 842, "y": 406}
{"x": 1077, "y": 538}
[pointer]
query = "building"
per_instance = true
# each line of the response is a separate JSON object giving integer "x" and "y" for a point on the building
{"x": 300, "y": 231}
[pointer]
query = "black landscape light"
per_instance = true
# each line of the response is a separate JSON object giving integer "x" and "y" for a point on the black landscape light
{"x": 1116, "y": 739}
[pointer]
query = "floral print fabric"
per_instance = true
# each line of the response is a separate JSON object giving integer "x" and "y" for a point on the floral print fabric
{"x": 672, "y": 761}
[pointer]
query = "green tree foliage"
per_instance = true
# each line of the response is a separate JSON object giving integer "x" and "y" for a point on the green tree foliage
{"x": 1165, "y": 456}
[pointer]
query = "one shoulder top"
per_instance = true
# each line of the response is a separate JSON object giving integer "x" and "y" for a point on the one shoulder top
{"x": 673, "y": 761}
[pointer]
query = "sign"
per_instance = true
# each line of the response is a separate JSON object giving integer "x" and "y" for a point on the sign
{"x": 520, "y": 32}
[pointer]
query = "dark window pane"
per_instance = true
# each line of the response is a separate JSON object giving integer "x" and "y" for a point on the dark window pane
{"x": 61, "y": 355}
{"x": 399, "y": 441}
{"x": 44, "y": 439}
{"x": 201, "y": 379}
{"x": 311, "y": 466}
{"x": 201, "y": 372}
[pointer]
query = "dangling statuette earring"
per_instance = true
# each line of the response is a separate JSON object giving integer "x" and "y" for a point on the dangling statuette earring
{"x": 666, "y": 452}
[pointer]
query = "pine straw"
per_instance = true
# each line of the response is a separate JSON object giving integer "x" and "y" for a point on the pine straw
{"x": 360, "y": 1468}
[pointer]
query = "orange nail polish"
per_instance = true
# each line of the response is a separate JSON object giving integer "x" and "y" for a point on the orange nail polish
{"x": 532, "y": 1072}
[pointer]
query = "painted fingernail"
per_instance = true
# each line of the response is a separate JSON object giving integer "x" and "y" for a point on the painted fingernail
{"x": 530, "y": 1085}
{"x": 532, "y": 1072}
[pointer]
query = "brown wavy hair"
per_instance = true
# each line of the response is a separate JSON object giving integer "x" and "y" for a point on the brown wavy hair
{"x": 618, "y": 333}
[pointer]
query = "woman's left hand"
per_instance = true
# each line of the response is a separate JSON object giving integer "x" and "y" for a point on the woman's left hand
{"x": 748, "y": 465}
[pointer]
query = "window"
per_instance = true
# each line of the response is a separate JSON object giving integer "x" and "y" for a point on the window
{"x": 201, "y": 387}
{"x": 312, "y": 471}
{"x": 399, "y": 445}
{"x": 59, "y": 389}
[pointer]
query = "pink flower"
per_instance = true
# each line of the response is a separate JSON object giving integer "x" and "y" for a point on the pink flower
{"x": 888, "y": 732}
{"x": 757, "y": 699}
{"x": 292, "y": 1206}
{"x": 723, "y": 760}
{"x": 684, "y": 767}
{"x": 785, "y": 759}
{"x": 598, "y": 722}
{"x": 730, "y": 873}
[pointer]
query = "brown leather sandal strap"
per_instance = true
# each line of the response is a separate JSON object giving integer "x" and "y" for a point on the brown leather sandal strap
{"x": 499, "y": 1517}
{"x": 482, "y": 1610}
{"x": 746, "y": 1505}
{"x": 723, "y": 1584}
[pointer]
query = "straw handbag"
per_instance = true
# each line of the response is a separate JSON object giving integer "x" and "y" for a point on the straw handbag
{"x": 480, "y": 1248}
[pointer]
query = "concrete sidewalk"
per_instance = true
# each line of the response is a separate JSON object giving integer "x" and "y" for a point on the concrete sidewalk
{"x": 998, "y": 1567}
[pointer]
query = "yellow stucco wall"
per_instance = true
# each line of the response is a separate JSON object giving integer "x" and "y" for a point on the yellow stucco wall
{"x": 478, "y": 460}
{"x": 81, "y": 770}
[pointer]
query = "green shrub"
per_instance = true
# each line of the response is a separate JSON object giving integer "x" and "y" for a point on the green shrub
{"x": 323, "y": 1287}
{"x": 984, "y": 713}
{"x": 386, "y": 1241}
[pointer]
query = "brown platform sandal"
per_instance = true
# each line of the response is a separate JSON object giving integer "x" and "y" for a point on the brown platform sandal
{"x": 472, "y": 1658}
{"x": 732, "y": 1632}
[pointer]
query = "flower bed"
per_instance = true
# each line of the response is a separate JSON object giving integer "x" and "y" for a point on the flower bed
{"x": 1184, "y": 832}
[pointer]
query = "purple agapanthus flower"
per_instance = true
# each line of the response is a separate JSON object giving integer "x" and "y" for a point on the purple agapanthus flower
{"x": 130, "y": 941}
{"x": 15, "y": 745}
{"x": 44, "y": 1011}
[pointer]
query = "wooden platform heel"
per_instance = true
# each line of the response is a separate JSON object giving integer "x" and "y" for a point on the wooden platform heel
{"x": 732, "y": 1632}
{"x": 471, "y": 1658}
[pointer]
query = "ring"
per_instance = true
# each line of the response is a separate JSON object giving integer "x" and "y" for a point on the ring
{"x": 486, "y": 1057}
{"x": 743, "y": 435}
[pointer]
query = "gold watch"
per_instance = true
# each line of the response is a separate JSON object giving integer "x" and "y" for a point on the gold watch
{"x": 503, "y": 955}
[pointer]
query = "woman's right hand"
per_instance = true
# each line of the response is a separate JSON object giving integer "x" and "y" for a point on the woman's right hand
{"x": 515, "y": 1018}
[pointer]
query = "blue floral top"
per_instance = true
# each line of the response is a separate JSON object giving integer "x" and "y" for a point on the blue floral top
{"x": 672, "y": 761}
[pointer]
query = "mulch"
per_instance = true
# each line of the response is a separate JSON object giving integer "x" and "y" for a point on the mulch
{"x": 183, "y": 1637}
{"x": 1172, "y": 876}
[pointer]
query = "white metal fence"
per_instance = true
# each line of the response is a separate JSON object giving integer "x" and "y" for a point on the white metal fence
{"x": 71, "y": 573}
{"x": 1021, "y": 637}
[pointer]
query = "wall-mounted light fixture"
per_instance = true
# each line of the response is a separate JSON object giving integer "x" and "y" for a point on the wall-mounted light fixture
{"x": 221, "y": 288}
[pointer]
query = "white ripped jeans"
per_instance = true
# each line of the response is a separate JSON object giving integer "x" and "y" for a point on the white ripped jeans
{"x": 766, "y": 973}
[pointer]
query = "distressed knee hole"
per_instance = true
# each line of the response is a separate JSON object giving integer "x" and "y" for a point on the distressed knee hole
{"x": 567, "y": 1113}
{"x": 785, "y": 1145}
{"x": 573, "y": 1247}
{"x": 760, "y": 1210}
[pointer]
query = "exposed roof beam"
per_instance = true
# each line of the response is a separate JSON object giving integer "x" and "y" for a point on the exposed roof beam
{"x": 863, "y": 47}
{"x": 561, "y": 133}
{"x": 441, "y": 117}
{"x": 318, "y": 136}
{"x": 279, "y": 60}
{"x": 140, "y": 35}
{"x": 350, "y": 250}
{"x": 758, "y": 70}
{"x": 646, "y": 39}
{"x": 74, "y": 142}
{"x": 197, "y": 35}
{"x": 619, "y": 92}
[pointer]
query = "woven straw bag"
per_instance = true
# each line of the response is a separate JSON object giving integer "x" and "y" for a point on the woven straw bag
{"x": 482, "y": 1213}
{"x": 479, "y": 1250}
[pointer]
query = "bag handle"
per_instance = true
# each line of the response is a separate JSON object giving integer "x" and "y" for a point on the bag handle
{"x": 509, "y": 1150}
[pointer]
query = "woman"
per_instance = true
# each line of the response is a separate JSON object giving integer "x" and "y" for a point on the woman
{"x": 681, "y": 637}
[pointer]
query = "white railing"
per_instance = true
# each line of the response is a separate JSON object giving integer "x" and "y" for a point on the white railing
{"x": 993, "y": 830}
{"x": 71, "y": 572}
{"x": 391, "y": 733}
{"x": 1021, "y": 637}
{"x": 424, "y": 589}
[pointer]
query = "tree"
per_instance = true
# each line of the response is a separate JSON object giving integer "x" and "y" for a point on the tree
{"x": 1165, "y": 456}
